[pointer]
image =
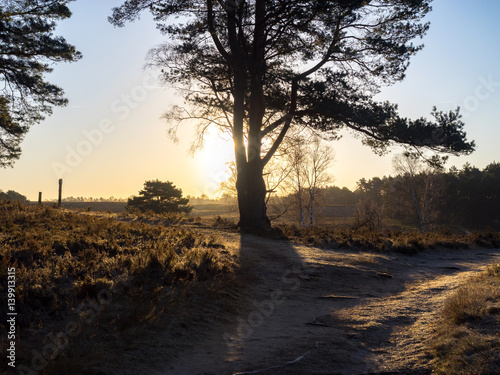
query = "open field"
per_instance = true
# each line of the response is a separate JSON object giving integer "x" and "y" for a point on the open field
{"x": 103, "y": 293}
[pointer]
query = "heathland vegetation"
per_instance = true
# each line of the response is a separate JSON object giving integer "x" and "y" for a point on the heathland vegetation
{"x": 113, "y": 281}
{"x": 93, "y": 283}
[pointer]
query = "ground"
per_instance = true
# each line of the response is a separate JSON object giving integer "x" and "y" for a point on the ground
{"x": 293, "y": 309}
{"x": 310, "y": 311}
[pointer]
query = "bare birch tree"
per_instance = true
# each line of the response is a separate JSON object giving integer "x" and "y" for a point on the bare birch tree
{"x": 309, "y": 159}
{"x": 420, "y": 184}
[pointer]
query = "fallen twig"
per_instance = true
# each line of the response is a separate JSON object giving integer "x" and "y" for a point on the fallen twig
{"x": 298, "y": 359}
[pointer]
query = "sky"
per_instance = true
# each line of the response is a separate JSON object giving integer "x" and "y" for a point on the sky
{"x": 111, "y": 138}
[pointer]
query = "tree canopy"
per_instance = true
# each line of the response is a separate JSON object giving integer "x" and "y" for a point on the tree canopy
{"x": 13, "y": 196}
{"x": 159, "y": 197}
{"x": 255, "y": 68}
{"x": 28, "y": 49}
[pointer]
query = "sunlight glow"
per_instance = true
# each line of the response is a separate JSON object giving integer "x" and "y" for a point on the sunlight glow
{"x": 212, "y": 161}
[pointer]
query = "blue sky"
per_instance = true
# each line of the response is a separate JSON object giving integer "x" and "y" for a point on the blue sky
{"x": 110, "y": 138}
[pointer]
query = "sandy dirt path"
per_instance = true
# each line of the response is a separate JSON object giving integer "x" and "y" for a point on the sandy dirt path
{"x": 311, "y": 311}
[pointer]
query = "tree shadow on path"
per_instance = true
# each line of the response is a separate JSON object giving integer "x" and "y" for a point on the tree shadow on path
{"x": 292, "y": 304}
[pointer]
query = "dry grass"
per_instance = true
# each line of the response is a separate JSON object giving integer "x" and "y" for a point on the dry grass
{"x": 383, "y": 241}
{"x": 167, "y": 218}
{"x": 116, "y": 281}
{"x": 467, "y": 340}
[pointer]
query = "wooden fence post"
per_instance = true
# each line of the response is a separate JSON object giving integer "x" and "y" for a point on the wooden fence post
{"x": 60, "y": 193}
{"x": 40, "y": 198}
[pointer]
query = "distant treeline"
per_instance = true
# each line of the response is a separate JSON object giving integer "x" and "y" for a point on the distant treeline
{"x": 458, "y": 199}
{"x": 467, "y": 198}
{"x": 88, "y": 199}
{"x": 334, "y": 195}
{"x": 464, "y": 199}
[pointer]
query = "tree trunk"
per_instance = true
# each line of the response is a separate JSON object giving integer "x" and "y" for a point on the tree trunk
{"x": 252, "y": 197}
{"x": 250, "y": 182}
{"x": 311, "y": 206}
{"x": 301, "y": 209}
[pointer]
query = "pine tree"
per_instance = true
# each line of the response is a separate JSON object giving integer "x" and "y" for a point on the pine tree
{"x": 28, "y": 49}
{"x": 256, "y": 68}
{"x": 159, "y": 197}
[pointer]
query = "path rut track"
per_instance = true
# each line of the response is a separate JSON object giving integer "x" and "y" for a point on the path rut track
{"x": 311, "y": 311}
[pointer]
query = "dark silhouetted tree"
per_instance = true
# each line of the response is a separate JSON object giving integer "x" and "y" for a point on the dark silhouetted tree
{"x": 159, "y": 197}
{"x": 256, "y": 68}
{"x": 12, "y": 195}
{"x": 28, "y": 50}
{"x": 340, "y": 196}
{"x": 368, "y": 212}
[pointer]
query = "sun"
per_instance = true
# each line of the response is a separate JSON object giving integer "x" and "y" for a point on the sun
{"x": 213, "y": 161}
